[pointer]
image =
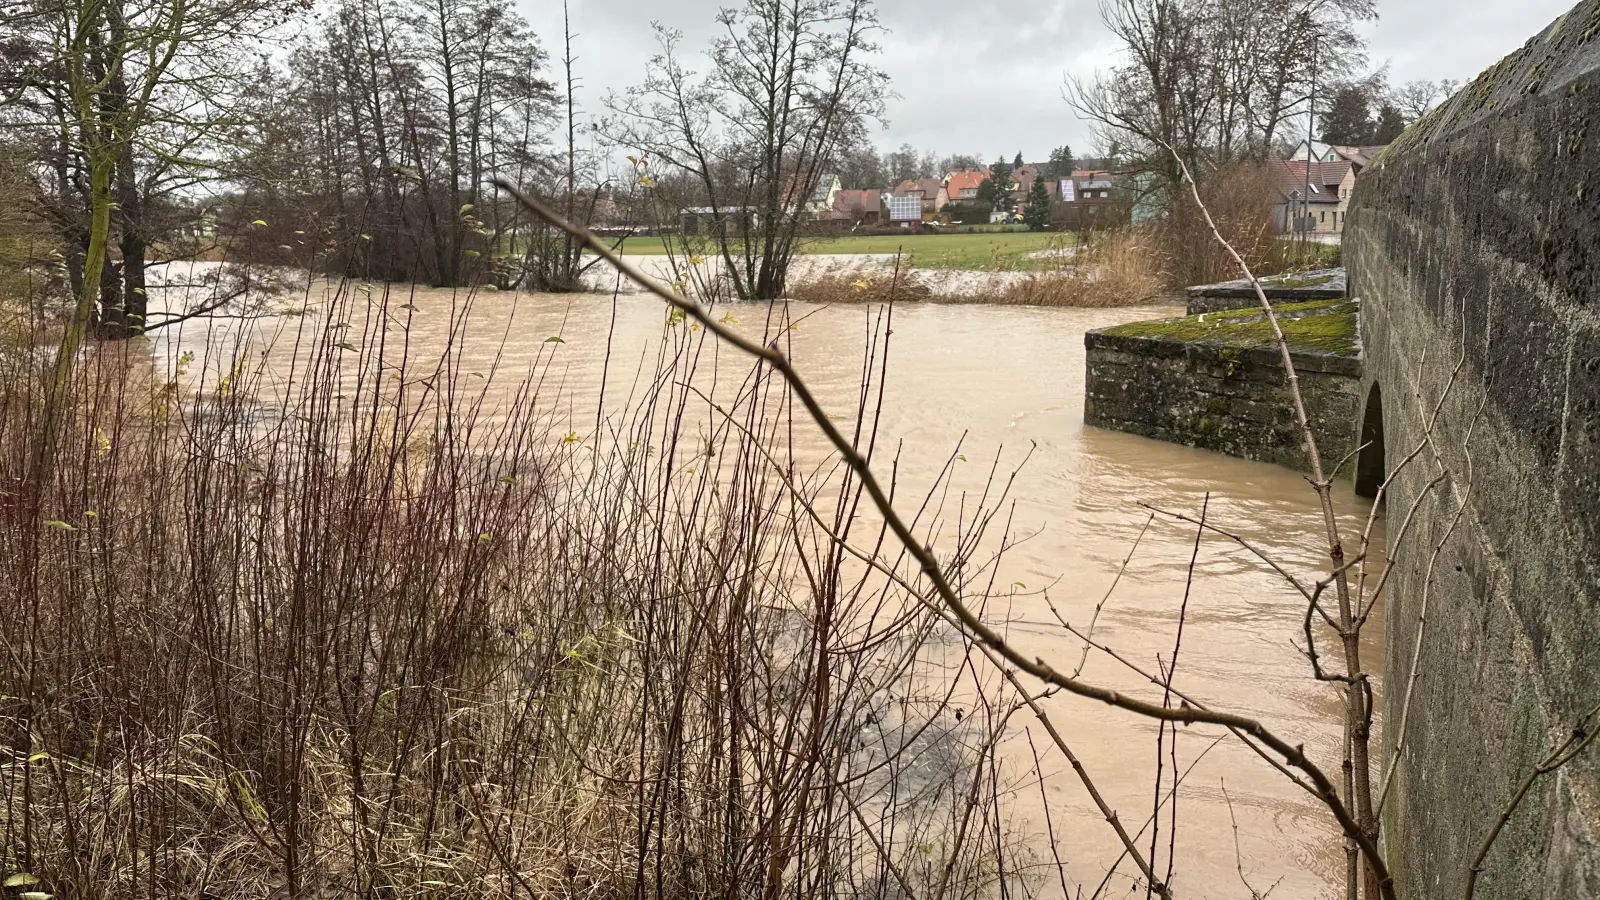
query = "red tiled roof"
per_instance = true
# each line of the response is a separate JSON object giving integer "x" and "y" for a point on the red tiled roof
{"x": 966, "y": 179}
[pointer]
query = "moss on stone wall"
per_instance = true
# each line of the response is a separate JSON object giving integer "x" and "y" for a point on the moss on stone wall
{"x": 1318, "y": 326}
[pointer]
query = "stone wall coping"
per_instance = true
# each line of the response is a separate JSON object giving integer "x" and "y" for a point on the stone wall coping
{"x": 1203, "y": 351}
{"x": 1330, "y": 285}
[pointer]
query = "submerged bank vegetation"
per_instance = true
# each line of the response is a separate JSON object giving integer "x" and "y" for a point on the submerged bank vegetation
{"x": 375, "y": 632}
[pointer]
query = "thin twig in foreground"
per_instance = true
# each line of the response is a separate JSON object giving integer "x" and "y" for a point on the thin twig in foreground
{"x": 1238, "y": 855}
{"x": 1293, "y": 754}
{"x": 1106, "y": 811}
{"x": 1357, "y": 712}
{"x": 1582, "y": 735}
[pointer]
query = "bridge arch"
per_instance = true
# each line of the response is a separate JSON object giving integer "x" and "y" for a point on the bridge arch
{"x": 1370, "y": 464}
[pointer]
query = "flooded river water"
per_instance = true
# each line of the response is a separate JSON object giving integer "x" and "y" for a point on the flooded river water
{"x": 1004, "y": 380}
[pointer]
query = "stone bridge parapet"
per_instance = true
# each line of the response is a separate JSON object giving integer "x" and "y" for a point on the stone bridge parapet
{"x": 1473, "y": 245}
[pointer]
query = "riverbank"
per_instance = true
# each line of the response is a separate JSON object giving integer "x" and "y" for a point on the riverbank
{"x": 521, "y": 504}
{"x": 1112, "y": 269}
{"x": 1012, "y": 250}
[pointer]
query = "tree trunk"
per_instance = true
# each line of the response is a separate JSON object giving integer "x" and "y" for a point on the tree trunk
{"x": 135, "y": 303}
{"x": 102, "y": 162}
{"x": 124, "y": 315}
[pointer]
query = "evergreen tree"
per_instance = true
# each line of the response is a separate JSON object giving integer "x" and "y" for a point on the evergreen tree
{"x": 1037, "y": 215}
{"x": 1348, "y": 120}
{"x": 1000, "y": 174}
{"x": 988, "y": 195}
{"x": 1061, "y": 162}
{"x": 1389, "y": 125}
{"x": 1113, "y": 154}
{"x": 1017, "y": 163}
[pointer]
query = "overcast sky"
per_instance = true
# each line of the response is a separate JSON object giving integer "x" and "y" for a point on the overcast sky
{"x": 985, "y": 76}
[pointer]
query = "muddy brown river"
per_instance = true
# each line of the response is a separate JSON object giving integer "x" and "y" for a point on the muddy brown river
{"x": 1004, "y": 380}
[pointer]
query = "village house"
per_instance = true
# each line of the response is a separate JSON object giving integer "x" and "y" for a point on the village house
{"x": 1022, "y": 178}
{"x": 856, "y": 209}
{"x": 1084, "y": 201}
{"x": 822, "y": 197}
{"x": 1320, "y": 152}
{"x": 1360, "y": 157}
{"x": 962, "y": 186}
{"x": 1317, "y": 151}
{"x": 1089, "y": 184}
{"x": 1313, "y": 197}
{"x": 818, "y": 204}
{"x": 1332, "y": 183}
{"x": 931, "y": 191}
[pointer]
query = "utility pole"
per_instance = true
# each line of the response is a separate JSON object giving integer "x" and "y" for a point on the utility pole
{"x": 1311, "y": 127}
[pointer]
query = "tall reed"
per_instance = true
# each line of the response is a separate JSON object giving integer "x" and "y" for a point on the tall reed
{"x": 336, "y": 618}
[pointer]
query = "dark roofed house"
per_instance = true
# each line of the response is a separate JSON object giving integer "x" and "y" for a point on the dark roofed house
{"x": 1086, "y": 200}
{"x": 1324, "y": 200}
{"x": 1022, "y": 178}
{"x": 721, "y": 221}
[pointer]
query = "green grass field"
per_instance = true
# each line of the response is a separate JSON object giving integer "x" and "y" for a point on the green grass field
{"x": 928, "y": 251}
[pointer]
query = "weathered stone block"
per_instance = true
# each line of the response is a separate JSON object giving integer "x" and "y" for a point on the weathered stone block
{"x": 1216, "y": 381}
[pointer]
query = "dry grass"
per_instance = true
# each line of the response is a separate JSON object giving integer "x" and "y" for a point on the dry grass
{"x": 1241, "y": 200}
{"x": 369, "y": 642}
{"x": 861, "y": 284}
{"x": 1111, "y": 269}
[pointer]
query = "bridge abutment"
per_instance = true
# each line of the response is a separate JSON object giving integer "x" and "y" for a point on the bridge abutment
{"x": 1474, "y": 246}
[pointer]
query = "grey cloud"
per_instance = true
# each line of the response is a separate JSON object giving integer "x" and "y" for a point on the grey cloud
{"x": 986, "y": 78}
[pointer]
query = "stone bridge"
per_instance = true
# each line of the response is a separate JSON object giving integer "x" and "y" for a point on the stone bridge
{"x": 1474, "y": 247}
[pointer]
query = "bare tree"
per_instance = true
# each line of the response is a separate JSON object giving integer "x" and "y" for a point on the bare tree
{"x": 1217, "y": 81}
{"x": 902, "y": 164}
{"x": 370, "y": 147}
{"x": 135, "y": 103}
{"x": 1417, "y": 98}
{"x": 789, "y": 83}
{"x": 860, "y": 167}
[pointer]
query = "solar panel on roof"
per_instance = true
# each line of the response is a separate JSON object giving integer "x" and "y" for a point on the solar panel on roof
{"x": 905, "y": 209}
